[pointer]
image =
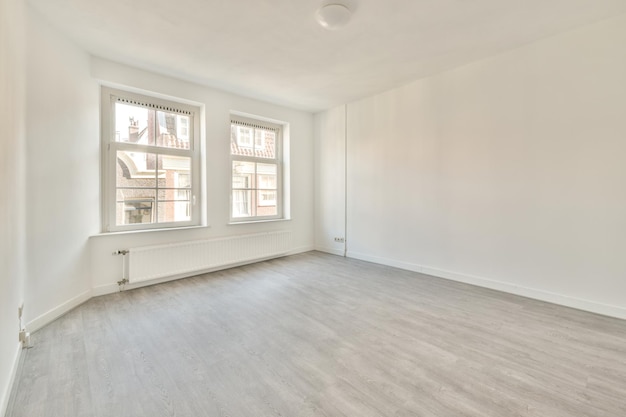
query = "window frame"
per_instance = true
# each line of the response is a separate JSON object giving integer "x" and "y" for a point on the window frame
{"x": 110, "y": 147}
{"x": 278, "y": 160}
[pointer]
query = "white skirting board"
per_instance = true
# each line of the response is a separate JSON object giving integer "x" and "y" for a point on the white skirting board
{"x": 56, "y": 312}
{"x": 579, "y": 304}
{"x": 6, "y": 396}
{"x": 332, "y": 251}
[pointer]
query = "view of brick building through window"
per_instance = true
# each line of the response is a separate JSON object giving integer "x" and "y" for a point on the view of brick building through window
{"x": 255, "y": 171}
{"x": 152, "y": 186}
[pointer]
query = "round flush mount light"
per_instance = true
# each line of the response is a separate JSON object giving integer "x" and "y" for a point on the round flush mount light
{"x": 333, "y": 16}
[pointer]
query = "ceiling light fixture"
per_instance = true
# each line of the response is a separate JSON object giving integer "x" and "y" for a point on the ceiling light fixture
{"x": 333, "y": 16}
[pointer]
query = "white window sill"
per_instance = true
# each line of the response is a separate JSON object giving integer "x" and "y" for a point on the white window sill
{"x": 132, "y": 232}
{"x": 258, "y": 221}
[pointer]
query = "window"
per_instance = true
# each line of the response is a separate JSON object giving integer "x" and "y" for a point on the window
{"x": 256, "y": 170}
{"x": 182, "y": 127}
{"x": 137, "y": 211}
{"x": 150, "y": 162}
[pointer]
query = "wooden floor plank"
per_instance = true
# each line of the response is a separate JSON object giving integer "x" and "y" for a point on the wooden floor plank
{"x": 319, "y": 335}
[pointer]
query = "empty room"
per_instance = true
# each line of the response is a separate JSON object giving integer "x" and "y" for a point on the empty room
{"x": 313, "y": 208}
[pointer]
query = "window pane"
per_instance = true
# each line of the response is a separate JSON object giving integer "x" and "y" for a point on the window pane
{"x": 243, "y": 174}
{"x": 172, "y": 130}
{"x": 267, "y": 211}
{"x": 140, "y": 175}
{"x": 244, "y": 136}
{"x": 183, "y": 127}
{"x": 266, "y": 203}
{"x": 174, "y": 188}
{"x": 241, "y": 140}
{"x": 249, "y": 141}
{"x": 175, "y": 170}
{"x": 136, "y": 169}
{"x": 174, "y": 194}
{"x": 265, "y": 144}
{"x": 242, "y": 203}
{"x": 266, "y": 198}
{"x": 174, "y": 211}
{"x": 266, "y": 176}
{"x": 127, "y": 194}
{"x": 134, "y": 205}
{"x": 133, "y": 212}
{"x": 134, "y": 124}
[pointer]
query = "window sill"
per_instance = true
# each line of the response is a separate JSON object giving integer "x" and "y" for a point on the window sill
{"x": 258, "y": 221}
{"x": 132, "y": 232}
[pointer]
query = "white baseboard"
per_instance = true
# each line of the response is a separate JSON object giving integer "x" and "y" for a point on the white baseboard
{"x": 537, "y": 294}
{"x": 57, "y": 311}
{"x": 105, "y": 289}
{"x": 332, "y": 251}
{"x": 301, "y": 249}
{"x": 6, "y": 396}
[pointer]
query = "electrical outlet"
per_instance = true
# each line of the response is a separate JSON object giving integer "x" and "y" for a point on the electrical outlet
{"x": 340, "y": 239}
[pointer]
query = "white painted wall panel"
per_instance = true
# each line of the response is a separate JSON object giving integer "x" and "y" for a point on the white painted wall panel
{"x": 330, "y": 191}
{"x": 62, "y": 171}
{"x": 508, "y": 172}
{"x": 12, "y": 184}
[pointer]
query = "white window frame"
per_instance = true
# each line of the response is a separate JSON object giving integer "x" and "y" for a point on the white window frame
{"x": 278, "y": 159}
{"x": 110, "y": 147}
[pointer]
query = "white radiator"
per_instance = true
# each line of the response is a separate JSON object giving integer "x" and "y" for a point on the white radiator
{"x": 186, "y": 258}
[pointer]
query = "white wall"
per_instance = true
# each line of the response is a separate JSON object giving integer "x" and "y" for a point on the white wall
{"x": 53, "y": 256}
{"x": 507, "y": 173}
{"x": 12, "y": 184}
{"x": 62, "y": 176}
{"x": 330, "y": 151}
{"x": 69, "y": 260}
{"x": 106, "y": 268}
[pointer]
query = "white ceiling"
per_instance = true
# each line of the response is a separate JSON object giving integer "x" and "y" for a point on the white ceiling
{"x": 275, "y": 51}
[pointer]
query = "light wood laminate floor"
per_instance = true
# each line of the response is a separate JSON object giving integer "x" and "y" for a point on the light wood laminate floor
{"x": 320, "y": 335}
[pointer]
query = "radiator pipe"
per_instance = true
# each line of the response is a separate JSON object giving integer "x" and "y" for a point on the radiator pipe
{"x": 124, "y": 279}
